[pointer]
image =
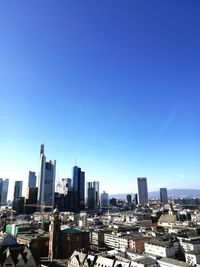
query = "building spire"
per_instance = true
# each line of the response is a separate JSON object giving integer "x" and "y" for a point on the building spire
{"x": 41, "y": 149}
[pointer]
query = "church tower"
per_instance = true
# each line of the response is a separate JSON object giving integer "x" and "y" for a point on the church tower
{"x": 54, "y": 235}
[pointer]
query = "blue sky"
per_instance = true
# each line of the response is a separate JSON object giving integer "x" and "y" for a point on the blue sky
{"x": 113, "y": 83}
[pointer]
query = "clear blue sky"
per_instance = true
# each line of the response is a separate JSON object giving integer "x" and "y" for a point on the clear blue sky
{"x": 115, "y": 84}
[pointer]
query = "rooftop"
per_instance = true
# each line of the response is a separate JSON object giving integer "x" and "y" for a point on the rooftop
{"x": 71, "y": 230}
{"x": 160, "y": 243}
{"x": 193, "y": 252}
{"x": 174, "y": 262}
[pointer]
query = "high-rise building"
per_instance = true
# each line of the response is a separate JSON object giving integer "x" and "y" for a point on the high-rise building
{"x": 129, "y": 199}
{"x": 66, "y": 185}
{"x": 3, "y": 191}
{"x": 18, "y": 189}
{"x": 46, "y": 184}
{"x": 78, "y": 184}
{"x": 18, "y": 200}
{"x": 142, "y": 190}
{"x": 104, "y": 199}
{"x": 136, "y": 199}
{"x": 92, "y": 195}
{"x": 163, "y": 195}
{"x": 31, "y": 200}
{"x": 31, "y": 179}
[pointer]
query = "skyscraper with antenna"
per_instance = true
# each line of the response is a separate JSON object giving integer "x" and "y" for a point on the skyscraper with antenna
{"x": 46, "y": 180}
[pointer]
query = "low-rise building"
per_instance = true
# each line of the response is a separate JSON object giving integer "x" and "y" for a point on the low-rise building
{"x": 13, "y": 254}
{"x": 37, "y": 242}
{"x": 193, "y": 257}
{"x": 97, "y": 238}
{"x": 168, "y": 262}
{"x": 189, "y": 244}
{"x": 167, "y": 220}
{"x": 111, "y": 240}
{"x": 160, "y": 248}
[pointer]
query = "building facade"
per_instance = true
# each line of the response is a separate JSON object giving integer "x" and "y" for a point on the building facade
{"x": 66, "y": 185}
{"x": 46, "y": 183}
{"x": 31, "y": 179}
{"x": 161, "y": 249}
{"x": 142, "y": 190}
{"x": 3, "y": 191}
{"x": 18, "y": 189}
{"x": 78, "y": 184}
{"x": 163, "y": 195}
{"x": 92, "y": 195}
{"x": 31, "y": 200}
{"x": 104, "y": 199}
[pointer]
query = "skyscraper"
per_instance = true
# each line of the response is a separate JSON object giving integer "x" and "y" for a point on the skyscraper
{"x": 46, "y": 183}
{"x": 163, "y": 195}
{"x": 66, "y": 185}
{"x": 104, "y": 199}
{"x": 3, "y": 191}
{"x": 31, "y": 179}
{"x": 78, "y": 184}
{"x": 142, "y": 190}
{"x": 31, "y": 199}
{"x": 18, "y": 189}
{"x": 136, "y": 199}
{"x": 129, "y": 199}
{"x": 92, "y": 194}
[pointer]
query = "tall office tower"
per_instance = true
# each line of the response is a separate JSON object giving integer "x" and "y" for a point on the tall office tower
{"x": 128, "y": 199}
{"x": 31, "y": 200}
{"x": 46, "y": 183}
{"x": 163, "y": 195}
{"x": 3, "y": 191}
{"x": 66, "y": 185}
{"x": 78, "y": 184}
{"x": 92, "y": 195}
{"x": 104, "y": 199}
{"x": 142, "y": 190}
{"x": 18, "y": 189}
{"x": 136, "y": 199}
{"x": 31, "y": 179}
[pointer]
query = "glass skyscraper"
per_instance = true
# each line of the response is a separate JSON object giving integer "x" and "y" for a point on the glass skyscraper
{"x": 104, "y": 199}
{"x": 31, "y": 179}
{"x": 18, "y": 189}
{"x": 163, "y": 195}
{"x": 142, "y": 190}
{"x": 46, "y": 183}
{"x": 3, "y": 191}
{"x": 92, "y": 194}
{"x": 78, "y": 185}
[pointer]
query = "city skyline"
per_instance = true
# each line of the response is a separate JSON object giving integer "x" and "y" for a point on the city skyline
{"x": 113, "y": 87}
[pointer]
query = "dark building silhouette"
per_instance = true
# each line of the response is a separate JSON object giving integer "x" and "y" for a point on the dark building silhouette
{"x": 78, "y": 180}
{"x": 113, "y": 202}
{"x": 136, "y": 199}
{"x": 31, "y": 200}
{"x": 31, "y": 179}
{"x": 163, "y": 195}
{"x": 128, "y": 199}
{"x": 142, "y": 190}
{"x": 92, "y": 195}
{"x": 18, "y": 205}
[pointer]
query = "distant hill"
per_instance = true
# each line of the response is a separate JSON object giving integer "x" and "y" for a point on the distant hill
{"x": 171, "y": 193}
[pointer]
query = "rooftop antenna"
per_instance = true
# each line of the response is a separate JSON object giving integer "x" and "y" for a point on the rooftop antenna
{"x": 75, "y": 161}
